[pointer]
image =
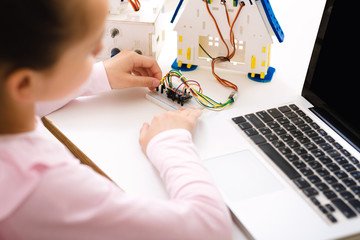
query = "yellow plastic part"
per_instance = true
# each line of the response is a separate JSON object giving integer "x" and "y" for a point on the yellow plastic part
{"x": 188, "y": 65}
{"x": 262, "y": 75}
{"x": 179, "y": 63}
{"x": 180, "y": 38}
{"x": 264, "y": 49}
{"x": 253, "y": 62}
{"x": 188, "y": 54}
{"x": 252, "y": 74}
{"x": 268, "y": 56}
{"x": 180, "y": 51}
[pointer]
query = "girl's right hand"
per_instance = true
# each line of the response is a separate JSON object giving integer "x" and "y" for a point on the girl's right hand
{"x": 185, "y": 118}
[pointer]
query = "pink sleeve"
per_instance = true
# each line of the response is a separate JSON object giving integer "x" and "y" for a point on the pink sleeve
{"x": 96, "y": 83}
{"x": 85, "y": 205}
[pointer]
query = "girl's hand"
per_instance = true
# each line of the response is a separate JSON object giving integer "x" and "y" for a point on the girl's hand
{"x": 182, "y": 118}
{"x": 128, "y": 69}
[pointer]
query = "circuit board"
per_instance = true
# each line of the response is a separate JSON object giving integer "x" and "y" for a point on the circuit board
{"x": 169, "y": 101}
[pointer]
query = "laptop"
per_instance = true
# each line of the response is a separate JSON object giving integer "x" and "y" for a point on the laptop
{"x": 296, "y": 172}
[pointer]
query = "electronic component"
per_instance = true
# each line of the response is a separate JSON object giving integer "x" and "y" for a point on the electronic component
{"x": 176, "y": 91}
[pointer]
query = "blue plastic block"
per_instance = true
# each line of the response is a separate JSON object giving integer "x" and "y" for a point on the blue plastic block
{"x": 272, "y": 20}
{"x": 268, "y": 76}
{"x": 183, "y": 67}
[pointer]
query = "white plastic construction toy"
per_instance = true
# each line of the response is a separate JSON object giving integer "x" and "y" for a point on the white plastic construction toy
{"x": 204, "y": 34}
{"x": 133, "y": 28}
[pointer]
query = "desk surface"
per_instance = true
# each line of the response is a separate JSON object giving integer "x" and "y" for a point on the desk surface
{"x": 104, "y": 129}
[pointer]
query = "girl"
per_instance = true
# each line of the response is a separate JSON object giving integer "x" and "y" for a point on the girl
{"x": 46, "y": 53}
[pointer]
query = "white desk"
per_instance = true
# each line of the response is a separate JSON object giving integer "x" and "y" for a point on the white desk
{"x": 106, "y": 127}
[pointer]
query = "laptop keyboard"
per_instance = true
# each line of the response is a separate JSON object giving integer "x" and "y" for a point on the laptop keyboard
{"x": 319, "y": 166}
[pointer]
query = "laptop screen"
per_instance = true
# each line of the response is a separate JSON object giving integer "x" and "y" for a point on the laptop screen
{"x": 332, "y": 83}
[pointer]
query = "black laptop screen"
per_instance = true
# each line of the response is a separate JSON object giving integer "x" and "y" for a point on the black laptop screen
{"x": 333, "y": 81}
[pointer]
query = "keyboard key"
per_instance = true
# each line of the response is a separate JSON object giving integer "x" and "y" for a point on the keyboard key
{"x": 310, "y": 146}
{"x": 341, "y": 160}
{"x": 292, "y": 157}
{"x": 347, "y": 195}
{"x": 356, "y": 175}
{"x": 303, "y": 139}
{"x": 284, "y": 109}
{"x": 239, "y": 119}
{"x": 279, "y": 161}
{"x": 354, "y": 160}
{"x": 333, "y": 167}
{"x": 275, "y": 113}
{"x": 282, "y": 120}
{"x": 306, "y": 171}
{"x": 331, "y": 218}
{"x": 271, "y": 137}
{"x": 310, "y": 192}
{"x": 294, "y": 107}
{"x": 265, "y": 130}
{"x": 285, "y": 150}
{"x": 330, "y": 179}
{"x": 278, "y": 144}
{"x": 307, "y": 158}
{"x": 330, "y": 207}
{"x": 341, "y": 174}
{"x": 258, "y": 139}
{"x": 322, "y": 186}
{"x": 256, "y": 122}
{"x": 322, "y": 172}
{"x": 314, "y": 125}
{"x": 344, "y": 208}
{"x": 317, "y": 153}
{"x": 355, "y": 204}
{"x": 349, "y": 182}
{"x": 291, "y": 114}
{"x": 315, "y": 164}
{"x": 338, "y": 187}
{"x": 330, "y": 194}
{"x": 245, "y": 125}
{"x": 311, "y": 134}
{"x": 289, "y": 126}
{"x": 315, "y": 201}
{"x": 349, "y": 167}
{"x": 356, "y": 190}
{"x": 264, "y": 116}
{"x": 286, "y": 137}
{"x": 314, "y": 179}
{"x": 251, "y": 132}
{"x": 273, "y": 125}
{"x": 301, "y": 183}
{"x": 333, "y": 153}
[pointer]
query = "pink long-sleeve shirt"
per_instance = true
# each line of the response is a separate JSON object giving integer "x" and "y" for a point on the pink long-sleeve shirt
{"x": 45, "y": 193}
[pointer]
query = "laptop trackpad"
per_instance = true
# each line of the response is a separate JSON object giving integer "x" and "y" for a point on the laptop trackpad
{"x": 241, "y": 175}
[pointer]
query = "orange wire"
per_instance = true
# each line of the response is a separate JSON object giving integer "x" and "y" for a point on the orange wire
{"x": 217, "y": 27}
{"x": 135, "y": 5}
{"x": 232, "y": 41}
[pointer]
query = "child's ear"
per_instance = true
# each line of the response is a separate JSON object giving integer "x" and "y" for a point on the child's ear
{"x": 21, "y": 85}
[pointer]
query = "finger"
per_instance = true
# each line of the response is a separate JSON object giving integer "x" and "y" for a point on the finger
{"x": 144, "y": 129}
{"x": 144, "y": 81}
{"x": 149, "y": 64}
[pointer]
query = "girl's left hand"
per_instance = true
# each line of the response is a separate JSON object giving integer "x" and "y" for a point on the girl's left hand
{"x": 128, "y": 69}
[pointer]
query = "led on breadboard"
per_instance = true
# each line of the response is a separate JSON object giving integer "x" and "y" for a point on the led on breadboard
{"x": 163, "y": 101}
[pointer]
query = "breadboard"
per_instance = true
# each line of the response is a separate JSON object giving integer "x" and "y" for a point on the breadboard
{"x": 168, "y": 104}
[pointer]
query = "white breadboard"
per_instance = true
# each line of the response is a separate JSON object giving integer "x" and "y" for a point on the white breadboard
{"x": 168, "y": 104}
